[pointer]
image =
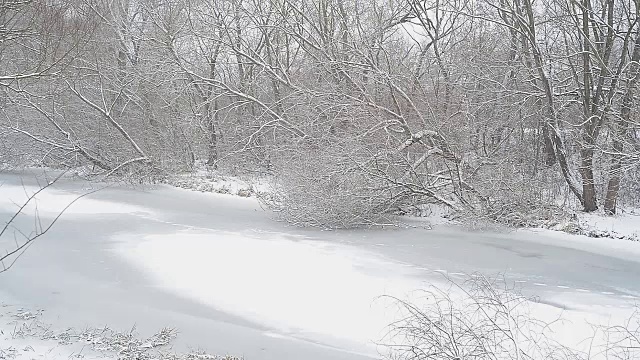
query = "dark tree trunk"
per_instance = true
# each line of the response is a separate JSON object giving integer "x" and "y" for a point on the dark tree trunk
{"x": 213, "y": 148}
{"x": 611, "y": 199}
{"x": 548, "y": 150}
{"x": 588, "y": 186}
{"x": 613, "y": 187}
{"x": 212, "y": 156}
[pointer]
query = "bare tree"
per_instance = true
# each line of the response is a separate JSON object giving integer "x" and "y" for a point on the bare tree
{"x": 21, "y": 239}
{"x": 580, "y": 57}
{"x": 505, "y": 109}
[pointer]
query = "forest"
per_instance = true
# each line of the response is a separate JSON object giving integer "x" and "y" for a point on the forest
{"x": 356, "y": 110}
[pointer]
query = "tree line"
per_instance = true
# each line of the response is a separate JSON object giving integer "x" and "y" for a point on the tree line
{"x": 356, "y": 108}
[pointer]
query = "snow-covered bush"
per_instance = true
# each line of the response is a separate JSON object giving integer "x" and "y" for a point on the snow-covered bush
{"x": 324, "y": 187}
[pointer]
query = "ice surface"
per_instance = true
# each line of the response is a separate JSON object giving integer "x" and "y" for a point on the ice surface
{"x": 217, "y": 267}
{"x": 51, "y": 201}
{"x": 316, "y": 290}
{"x": 321, "y": 291}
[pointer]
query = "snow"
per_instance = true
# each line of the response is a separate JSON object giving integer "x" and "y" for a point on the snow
{"x": 24, "y": 336}
{"x": 580, "y": 325}
{"x": 205, "y": 180}
{"x": 295, "y": 287}
{"x": 537, "y": 328}
{"x": 429, "y": 215}
{"x": 29, "y": 349}
{"x": 21, "y": 338}
{"x": 625, "y": 225}
{"x": 618, "y": 248}
{"x": 51, "y": 201}
{"x": 304, "y": 289}
{"x": 320, "y": 291}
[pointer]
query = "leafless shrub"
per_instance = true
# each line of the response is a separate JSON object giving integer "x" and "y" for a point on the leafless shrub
{"x": 483, "y": 319}
{"x": 324, "y": 187}
{"x": 485, "y": 323}
{"x": 515, "y": 214}
{"x": 623, "y": 341}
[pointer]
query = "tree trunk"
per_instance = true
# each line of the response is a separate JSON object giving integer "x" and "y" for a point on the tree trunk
{"x": 548, "y": 151}
{"x": 588, "y": 186}
{"x": 212, "y": 156}
{"x": 613, "y": 187}
{"x": 213, "y": 147}
{"x": 621, "y": 124}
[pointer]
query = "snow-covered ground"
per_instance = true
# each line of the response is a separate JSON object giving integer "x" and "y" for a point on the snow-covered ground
{"x": 23, "y": 336}
{"x": 621, "y": 226}
{"x": 233, "y": 281}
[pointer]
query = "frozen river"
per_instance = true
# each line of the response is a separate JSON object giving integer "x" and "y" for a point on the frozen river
{"x": 233, "y": 281}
